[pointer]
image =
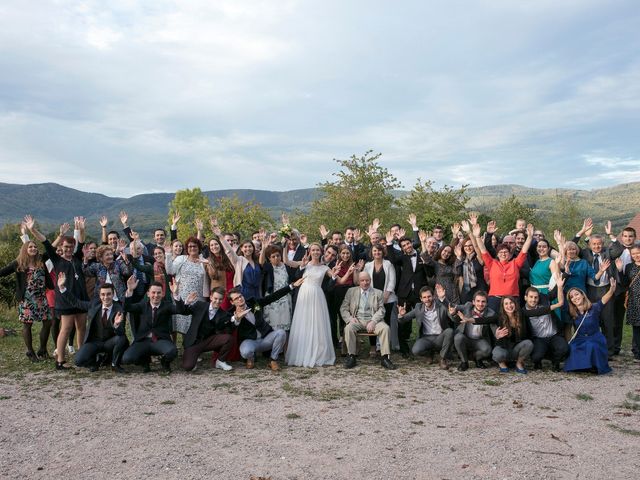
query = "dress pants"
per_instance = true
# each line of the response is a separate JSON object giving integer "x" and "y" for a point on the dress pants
{"x": 219, "y": 343}
{"x": 381, "y": 331}
{"x": 555, "y": 346}
{"x": 140, "y": 352}
{"x": 619, "y": 311}
{"x": 274, "y": 341}
{"x": 520, "y": 350}
{"x": 480, "y": 347}
{"x": 404, "y": 329}
{"x": 115, "y": 346}
{"x": 426, "y": 343}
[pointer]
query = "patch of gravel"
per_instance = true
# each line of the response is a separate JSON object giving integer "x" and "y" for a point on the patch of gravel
{"x": 417, "y": 422}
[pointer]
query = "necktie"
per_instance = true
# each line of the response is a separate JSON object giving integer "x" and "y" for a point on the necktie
{"x": 596, "y": 266}
{"x": 154, "y": 312}
{"x": 105, "y": 318}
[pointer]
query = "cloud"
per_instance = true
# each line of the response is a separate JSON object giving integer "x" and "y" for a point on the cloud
{"x": 260, "y": 94}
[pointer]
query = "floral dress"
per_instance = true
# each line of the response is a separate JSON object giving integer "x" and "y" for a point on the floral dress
{"x": 191, "y": 280}
{"x": 34, "y": 306}
{"x": 278, "y": 313}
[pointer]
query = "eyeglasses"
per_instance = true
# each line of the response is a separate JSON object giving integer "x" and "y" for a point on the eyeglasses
{"x": 192, "y": 246}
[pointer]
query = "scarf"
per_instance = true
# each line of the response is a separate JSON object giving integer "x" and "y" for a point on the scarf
{"x": 469, "y": 272}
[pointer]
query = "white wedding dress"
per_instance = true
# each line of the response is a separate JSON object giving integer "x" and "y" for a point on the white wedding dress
{"x": 310, "y": 342}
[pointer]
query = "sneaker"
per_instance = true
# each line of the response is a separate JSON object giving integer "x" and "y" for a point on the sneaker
{"x": 504, "y": 370}
{"x": 223, "y": 365}
{"x": 522, "y": 371}
{"x": 274, "y": 365}
{"x": 70, "y": 349}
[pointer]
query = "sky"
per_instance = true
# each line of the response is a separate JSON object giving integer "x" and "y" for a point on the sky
{"x": 126, "y": 97}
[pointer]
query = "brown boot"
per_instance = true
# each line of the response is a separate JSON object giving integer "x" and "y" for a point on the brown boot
{"x": 250, "y": 363}
{"x": 274, "y": 365}
{"x": 444, "y": 365}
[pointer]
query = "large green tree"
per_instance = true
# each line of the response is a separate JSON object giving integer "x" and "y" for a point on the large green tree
{"x": 435, "y": 207}
{"x": 510, "y": 210}
{"x": 234, "y": 215}
{"x": 190, "y": 204}
{"x": 362, "y": 191}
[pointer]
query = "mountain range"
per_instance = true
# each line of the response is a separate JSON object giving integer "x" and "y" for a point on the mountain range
{"x": 53, "y": 204}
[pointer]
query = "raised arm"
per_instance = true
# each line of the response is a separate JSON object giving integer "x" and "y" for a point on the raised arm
{"x": 477, "y": 240}
{"x": 30, "y": 223}
{"x": 527, "y": 242}
{"x": 612, "y": 290}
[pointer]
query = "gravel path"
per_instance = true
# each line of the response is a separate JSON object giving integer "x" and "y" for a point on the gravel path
{"x": 415, "y": 422}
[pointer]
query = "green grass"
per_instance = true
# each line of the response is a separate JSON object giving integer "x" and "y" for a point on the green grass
{"x": 491, "y": 382}
{"x": 627, "y": 431}
{"x": 584, "y": 397}
{"x": 292, "y": 416}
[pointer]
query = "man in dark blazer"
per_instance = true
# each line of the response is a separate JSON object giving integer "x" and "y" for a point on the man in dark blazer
{"x": 255, "y": 335}
{"x": 105, "y": 331}
{"x": 411, "y": 278}
{"x": 435, "y": 328}
{"x": 472, "y": 330}
{"x": 206, "y": 332}
{"x": 151, "y": 326}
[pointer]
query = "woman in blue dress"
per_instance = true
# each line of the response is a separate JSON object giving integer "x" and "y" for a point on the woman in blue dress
{"x": 588, "y": 347}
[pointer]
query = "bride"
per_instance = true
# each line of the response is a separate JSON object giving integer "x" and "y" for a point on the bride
{"x": 310, "y": 341}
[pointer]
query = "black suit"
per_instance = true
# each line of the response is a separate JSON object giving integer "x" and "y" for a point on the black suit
{"x": 205, "y": 334}
{"x": 409, "y": 283}
{"x": 98, "y": 338}
{"x": 151, "y": 336}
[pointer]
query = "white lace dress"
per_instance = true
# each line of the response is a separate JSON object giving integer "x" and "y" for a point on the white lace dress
{"x": 310, "y": 343}
{"x": 278, "y": 313}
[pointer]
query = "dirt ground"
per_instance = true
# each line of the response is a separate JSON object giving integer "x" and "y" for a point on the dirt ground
{"x": 417, "y": 422}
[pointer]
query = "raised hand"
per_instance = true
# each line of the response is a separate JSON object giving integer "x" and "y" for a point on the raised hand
{"x": 530, "y": 230}
{"x": 455, "y": 228}
{"x": 323, "y": 231}
{"x": 173, "y": 286}
{"x": 587, "y": 224}
{"x": 192, "y": 297}
{"x": 559, "y": 281}
{"x": 132, "y": 283}
{"x": 124, "y": 218}
{"x": 175, "y": 218}
{"x": 64, "y": 228}
{"x": 413, "y": 221}
{"x": 422, "y": 235}
{"x": 23, "y": 228}
{"x": 62, "y": 280}
{"x": 492, "y": 227}
{"x": 458, "y": 251}
{"x": 607, "y": 227}
{"x": 402, "y": 310}
{"x": 473, "y": 218}
{"x": 476, "y": 230}
{"x": 466, "y": 227}
{"x": 357, "y": 235}
{"x": 285, "y": 218}
{"x": 604, "y": 265}
{"x": 305, "y": 259}
{"x": 199, "y": 225}
{"x": 389, "y": 237}
{"x": 117, "y": 320}
{"x": 29, "y": 222}
{"x": 122, "y": 244}
{"x": 303, "y": 238}
{"x": 104, "y": 221}
{"x": 401, "y": 233}
{"x": 376, "y": 224}
{"x": 80, "y": 223}
{"x": 619, "y": 264}
{"x": 360, "y": 265}
{"x": 215, "y": 228}
{"x": 557, "y": 235}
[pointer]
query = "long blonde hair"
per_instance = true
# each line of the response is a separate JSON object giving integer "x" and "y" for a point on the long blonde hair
{"x": 24, "y": 260}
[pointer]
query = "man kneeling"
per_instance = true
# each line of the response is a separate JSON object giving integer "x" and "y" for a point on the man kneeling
{"x": 363, "y": 309}
{"x": 207, "y": 318}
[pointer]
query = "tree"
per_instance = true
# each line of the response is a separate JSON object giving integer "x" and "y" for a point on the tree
{"x": 235, "y": 215}
{"x": 361, "y": 192}
{"x": 511, "y": 209}
{"x": 10, "y": 244}
{"x": 564, "y": 216}
{"x": 435, "y": 207}
{"x": 190, "y": 204}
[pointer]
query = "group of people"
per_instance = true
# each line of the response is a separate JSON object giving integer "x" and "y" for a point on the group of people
{"x": 513, "y": 300}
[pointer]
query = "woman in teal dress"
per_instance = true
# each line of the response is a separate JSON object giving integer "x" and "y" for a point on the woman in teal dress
{"x": 541, "y": 275}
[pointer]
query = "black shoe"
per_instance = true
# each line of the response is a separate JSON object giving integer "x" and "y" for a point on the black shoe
{"x": 62, "y": 366}
{"x": 32, "y": 356}
{"x": 93, "y": 368}
{"x": 464, "y": 366}
{"x": 43, "y": 355}
{"x": 537, "y": 366}
{"x": 117, "y": 369}
{"x": 386, "y": 363}
{"x": 350, "y": 362}
{"x": 556, "y": 366}
{"x": 480, "y": 364}
{"x": 166, "y": 366}
{"x": 146, "y": 367}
